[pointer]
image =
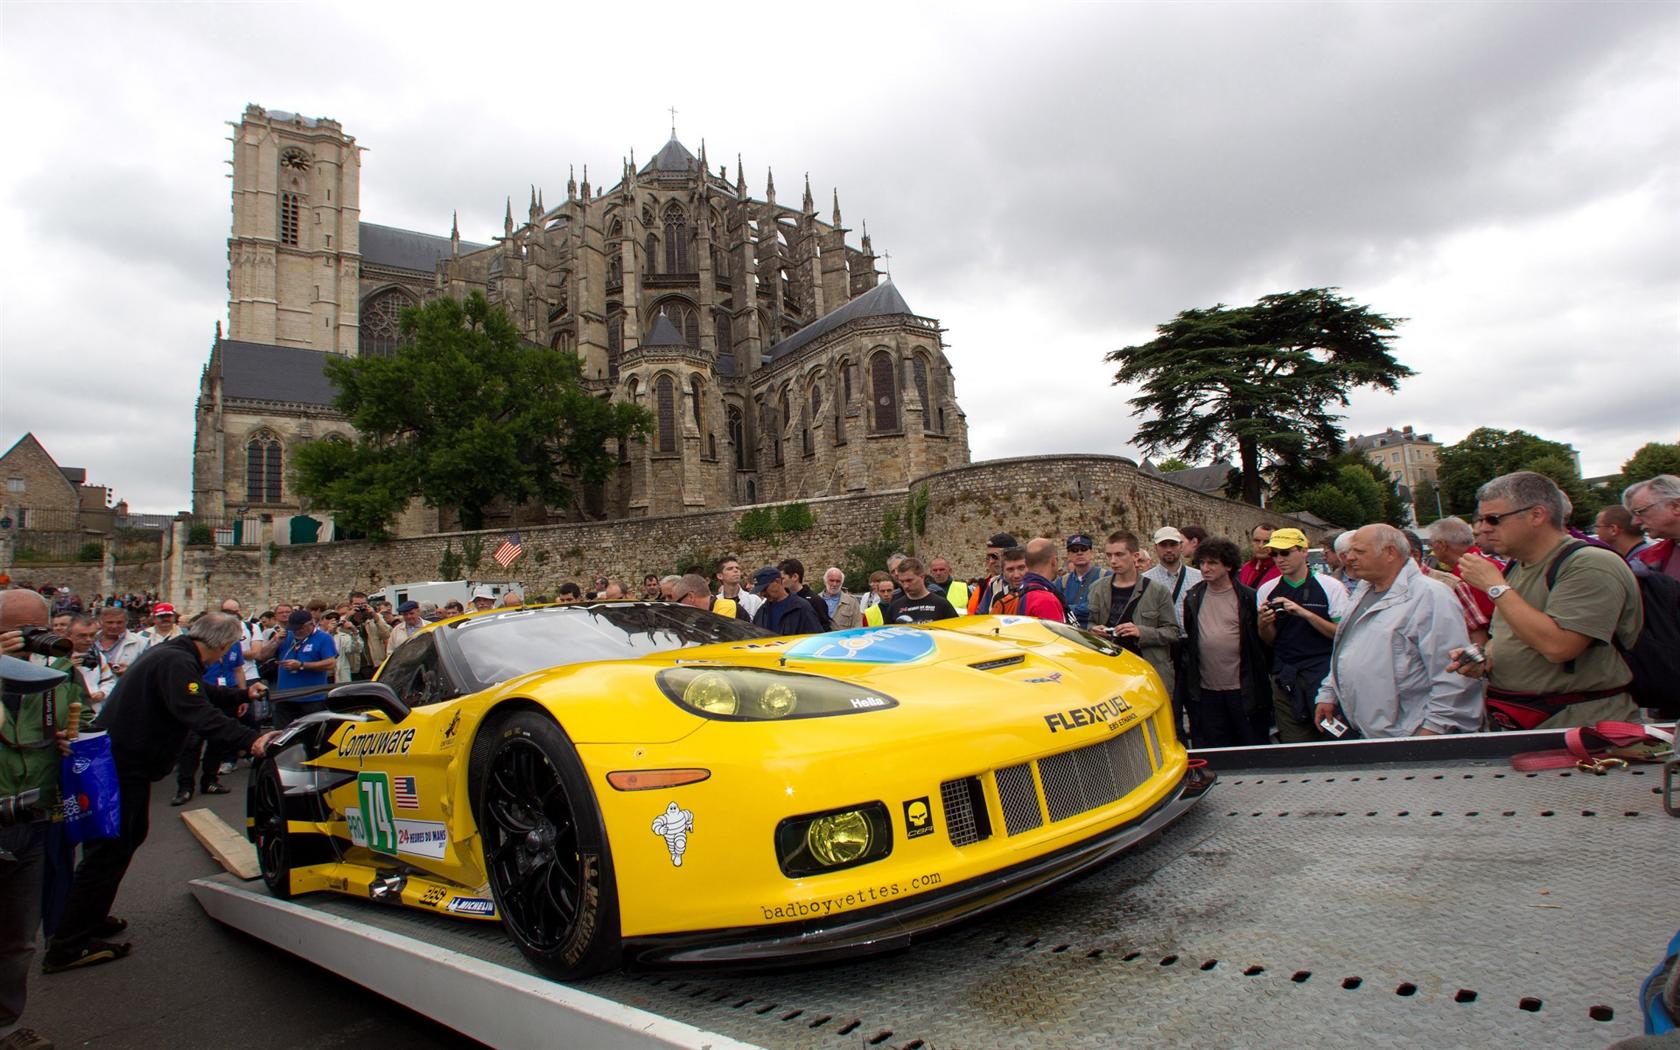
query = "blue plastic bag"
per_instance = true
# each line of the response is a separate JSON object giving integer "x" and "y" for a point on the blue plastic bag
{"x": 92, "y": 808}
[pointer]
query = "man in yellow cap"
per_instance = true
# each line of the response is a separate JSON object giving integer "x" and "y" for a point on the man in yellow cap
{"x": 1299, "y": 610}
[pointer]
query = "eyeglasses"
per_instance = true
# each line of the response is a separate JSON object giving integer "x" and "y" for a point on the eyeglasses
{"x": 1641, "y": 510}
{"x": 1495, "y": 519}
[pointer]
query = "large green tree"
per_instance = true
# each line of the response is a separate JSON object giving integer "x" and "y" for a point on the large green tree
{"x": 1487, "y": 452}
{"x": 464, "y": 415}
{"x": 1653, "y": 458}
{"x": 1347, "y": 490}
{"x": 1262, "y": 381}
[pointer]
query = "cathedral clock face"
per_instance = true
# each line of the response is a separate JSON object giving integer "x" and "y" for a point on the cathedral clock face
{"x": 294, "y": 160}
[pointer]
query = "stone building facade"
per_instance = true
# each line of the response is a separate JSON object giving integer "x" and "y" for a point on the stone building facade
{"x": 774, "y": 359}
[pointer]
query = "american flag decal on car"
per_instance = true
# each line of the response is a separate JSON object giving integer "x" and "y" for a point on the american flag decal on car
{"x": 403, "y": 793}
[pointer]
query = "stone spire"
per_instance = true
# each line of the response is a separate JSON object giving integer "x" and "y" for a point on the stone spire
{"x": 740, "y": 178}
{"x": 455, "y": 234}
{"x": 770, "y": 185}
{"x": 541, "y": 210}
{"x": 586, "y": 182}
{"x": 571, "y": 183}
{"x": 532, "y": 211}
{"x": 507, "y": 223}
{"x": 837, "y": 207}
{"x": 867, "y": 250}
{"x": 807, "y": 205}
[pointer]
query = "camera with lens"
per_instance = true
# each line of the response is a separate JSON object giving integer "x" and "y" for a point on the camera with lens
{"x": 43, "y": 642}
{"x": 21, "y": 808}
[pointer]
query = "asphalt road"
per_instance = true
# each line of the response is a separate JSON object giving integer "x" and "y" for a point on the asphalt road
{"x": 193, "y": 982}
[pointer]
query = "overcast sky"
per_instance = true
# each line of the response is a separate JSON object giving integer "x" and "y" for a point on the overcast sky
{"x": 1051, "y": 181}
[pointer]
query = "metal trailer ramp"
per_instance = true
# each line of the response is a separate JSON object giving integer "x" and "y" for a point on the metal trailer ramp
{"x": 1421, "y": 904}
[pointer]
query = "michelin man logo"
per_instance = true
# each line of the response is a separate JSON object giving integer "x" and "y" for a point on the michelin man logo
{"x": 674, "y": 824}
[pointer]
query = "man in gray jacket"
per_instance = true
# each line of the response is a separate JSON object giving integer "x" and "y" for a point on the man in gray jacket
{"x": 1388, "y": 671}
{"x": 1134, "y": 611}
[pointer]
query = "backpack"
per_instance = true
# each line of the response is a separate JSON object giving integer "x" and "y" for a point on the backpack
{"x": 1032, "y": 585}
{"x": 1654, "y": 657}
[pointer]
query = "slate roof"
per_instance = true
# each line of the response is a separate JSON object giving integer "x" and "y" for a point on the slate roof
{"x": 882, "y": 300}
{"x": 663, "y": 333}
{"x": 258, "y": 372}
{"x": 1209, "y": 479}
{"x": 77, "y": 475}
{"x": 673, "y": 156}
{"x": 406, "y": 249}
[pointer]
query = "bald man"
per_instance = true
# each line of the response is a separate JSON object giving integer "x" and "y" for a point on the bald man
{"x": 1038, "y": 594}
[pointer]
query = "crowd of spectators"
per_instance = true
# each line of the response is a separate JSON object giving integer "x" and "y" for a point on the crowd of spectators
{"x": 1510, "y": 621}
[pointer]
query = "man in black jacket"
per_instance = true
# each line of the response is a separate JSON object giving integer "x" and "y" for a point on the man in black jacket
{"x": 793, "y": 577}
{"x": 782, "y": 612}
{"x": 155, "y": 705}
{"x": 1223, "y": 679}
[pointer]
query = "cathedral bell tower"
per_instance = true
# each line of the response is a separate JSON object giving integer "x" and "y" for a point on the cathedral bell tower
{"x": 295, "y": 248}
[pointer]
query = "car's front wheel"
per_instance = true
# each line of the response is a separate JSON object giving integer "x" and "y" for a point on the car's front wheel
{"x": 545, "y": 849}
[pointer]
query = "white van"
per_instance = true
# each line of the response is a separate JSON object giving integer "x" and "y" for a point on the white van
{"x": 442, "y": 591}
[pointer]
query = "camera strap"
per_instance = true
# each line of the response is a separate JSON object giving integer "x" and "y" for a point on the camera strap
{"x": 49, "y": 722}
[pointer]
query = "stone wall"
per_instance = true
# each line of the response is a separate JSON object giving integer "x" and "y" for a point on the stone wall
{"x": 88, "y": 578}
{"x": 1059, "y": 495}
{"x": 1037, "y": 496}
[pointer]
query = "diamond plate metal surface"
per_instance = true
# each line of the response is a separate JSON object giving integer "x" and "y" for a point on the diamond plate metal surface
{"x": 1444, "y": 906}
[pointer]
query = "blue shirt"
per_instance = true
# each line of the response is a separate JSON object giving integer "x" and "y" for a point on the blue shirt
{"x": 318, "y": 646}
{"x": 226, "y": 670}
{"x": 1075, "y": 591}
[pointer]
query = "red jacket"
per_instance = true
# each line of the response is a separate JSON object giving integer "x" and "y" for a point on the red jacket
{"x": 1662, "y": 556}
{"x": 1256, "y": 571}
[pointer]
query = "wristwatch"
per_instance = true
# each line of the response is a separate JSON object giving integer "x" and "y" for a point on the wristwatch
{"x": 1496, "y": 590}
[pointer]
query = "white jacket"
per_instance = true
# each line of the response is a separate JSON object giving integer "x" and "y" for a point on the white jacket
{"x": 1388, "y": 671}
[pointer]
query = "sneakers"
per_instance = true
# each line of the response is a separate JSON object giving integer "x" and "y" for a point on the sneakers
{"x": 25, "y": 1039}
{"x": 91, "y": 953}
{"x": 225, "y": 768}
{"x": 181, "y": 797}
{"x": 216, "y": 787}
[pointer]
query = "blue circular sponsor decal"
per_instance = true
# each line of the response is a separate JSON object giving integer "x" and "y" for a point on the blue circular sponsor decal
{"x": 865, "y": 645}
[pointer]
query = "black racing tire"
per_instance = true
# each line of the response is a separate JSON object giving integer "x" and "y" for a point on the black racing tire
{"x": 545, "y": 848}
{"x": 279, "y": 849}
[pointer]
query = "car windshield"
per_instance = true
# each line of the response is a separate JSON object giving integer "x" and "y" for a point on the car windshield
{"x": 507, "y": 645}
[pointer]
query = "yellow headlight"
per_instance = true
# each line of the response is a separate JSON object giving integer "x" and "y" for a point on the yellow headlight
{"x": 839, "y": 838}
{"x": 778, "y": 701}
{"x": 711, "y": 692}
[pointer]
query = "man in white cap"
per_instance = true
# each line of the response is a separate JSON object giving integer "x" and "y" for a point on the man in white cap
{"x": 1169, "y": 569}
{"x": 483, "y": 598}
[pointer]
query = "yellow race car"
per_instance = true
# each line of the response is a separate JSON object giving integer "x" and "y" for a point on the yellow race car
{"x": 648, "y": 783}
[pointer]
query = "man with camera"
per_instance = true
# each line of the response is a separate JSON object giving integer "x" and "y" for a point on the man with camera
{"x": 33, "y": 737}
{"x": 1299, "y": 610}
{"x": 160, "y": 699}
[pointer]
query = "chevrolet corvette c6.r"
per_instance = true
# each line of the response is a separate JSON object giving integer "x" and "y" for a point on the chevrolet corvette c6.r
{"x": 652, "y": 784}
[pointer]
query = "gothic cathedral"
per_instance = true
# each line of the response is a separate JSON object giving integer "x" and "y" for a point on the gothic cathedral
{"x": 776, "y": 361}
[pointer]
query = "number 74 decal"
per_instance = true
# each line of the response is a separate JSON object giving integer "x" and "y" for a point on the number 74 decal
{"x": 372, "y": 825}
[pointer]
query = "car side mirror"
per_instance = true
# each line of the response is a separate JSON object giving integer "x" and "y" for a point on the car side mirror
{"x": 365, "y": 696}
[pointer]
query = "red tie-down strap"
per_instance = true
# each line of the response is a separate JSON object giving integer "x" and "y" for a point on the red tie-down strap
{"x": 1596, "y": 748}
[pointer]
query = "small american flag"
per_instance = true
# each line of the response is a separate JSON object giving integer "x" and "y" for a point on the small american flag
{"x": 403, "y": 793}
{"x": 510, "y": 550}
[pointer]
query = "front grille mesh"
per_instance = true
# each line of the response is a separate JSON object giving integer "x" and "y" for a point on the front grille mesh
{"x": 1095, "y": 775}
{"x": 958, "y": 799}
{"x": 1019, "y": 798}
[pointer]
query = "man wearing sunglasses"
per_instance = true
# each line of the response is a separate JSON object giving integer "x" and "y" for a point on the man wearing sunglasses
{"x": 1552, "y": 659}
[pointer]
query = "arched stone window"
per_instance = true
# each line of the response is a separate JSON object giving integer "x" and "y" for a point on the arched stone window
{"x": 381, "y": 328}
{"x": 676, "y": 240}
{"x": 291, "y": 208}
{"x": 782, "y": 417}
{"x": 615, "y": 270}
{"x": 562, "y": 342}
{"x": 263, "y": 463}
{"x": 665, "y": 396}
{"x": 752, "y": 491}
{"x": 737, "y": 435}
{"x": 883, "y": 391}
{"x": 694, "y": 391}
{"x": 650, "y": 247}
{"x": 617, "y": 228}
{"x": 722, "y": 334}
{"x": 685, "y": 318}
{"x": 919, "y": 370}
{"x": 812, "y": 411}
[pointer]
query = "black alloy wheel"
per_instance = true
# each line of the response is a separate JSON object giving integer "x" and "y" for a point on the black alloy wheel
{"x": 279, "y": 849}
{"x": 545, "y": 850}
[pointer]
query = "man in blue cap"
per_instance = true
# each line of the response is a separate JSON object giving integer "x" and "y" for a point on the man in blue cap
{"x": 1075, "y": 585}
{"x": 307, "y": 655}
{"x": 782, "y": 612}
